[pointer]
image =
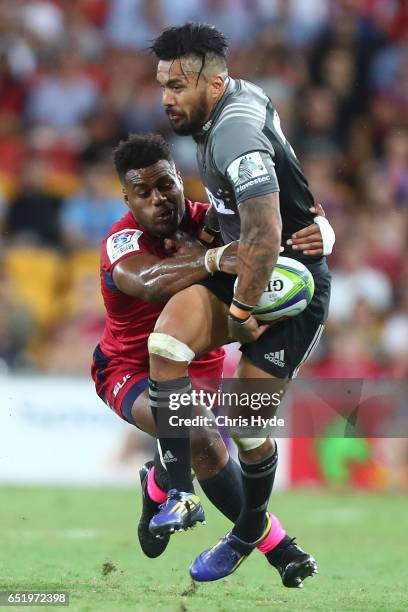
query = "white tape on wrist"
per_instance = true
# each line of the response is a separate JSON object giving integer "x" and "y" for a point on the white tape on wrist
{"x": 213, "y": 257}
{"x": 219, "y": 254}
{"x": 328, "y": 235}
{"x": 210, "y": 261}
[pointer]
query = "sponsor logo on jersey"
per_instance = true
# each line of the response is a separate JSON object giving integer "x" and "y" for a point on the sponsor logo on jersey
{"x": 120, "y": 384}
{"x": 120, "y": 240}
{"x": 248, "y": 170}
{"x": 121, "y": 243}
{"x": 278, "y": 358}
{"x": 261, "y": 179}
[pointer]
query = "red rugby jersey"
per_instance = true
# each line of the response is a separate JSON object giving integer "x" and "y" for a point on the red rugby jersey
{"x": 130, "y": 320}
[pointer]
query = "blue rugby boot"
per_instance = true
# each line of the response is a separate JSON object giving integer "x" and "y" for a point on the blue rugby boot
{"x": 180, "y": 511}
{"x": 225, "y": 557}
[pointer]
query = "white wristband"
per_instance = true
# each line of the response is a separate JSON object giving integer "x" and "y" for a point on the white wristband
{"x": 327, "y": 232}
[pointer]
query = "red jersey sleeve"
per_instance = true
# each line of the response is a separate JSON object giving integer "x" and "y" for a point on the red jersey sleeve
{"x": 128, "y": 241}
{"x": 125, "y": 243}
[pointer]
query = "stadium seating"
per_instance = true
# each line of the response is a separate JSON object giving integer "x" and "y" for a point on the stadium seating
{"x": 82, "y": 277}
{"x": 36, "y": 277}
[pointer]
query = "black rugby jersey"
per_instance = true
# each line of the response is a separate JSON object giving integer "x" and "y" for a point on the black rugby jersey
{"x": 242, "y": 153}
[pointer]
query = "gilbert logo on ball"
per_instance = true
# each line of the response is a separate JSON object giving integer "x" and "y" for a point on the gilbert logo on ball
{"x": 288, "y": 292}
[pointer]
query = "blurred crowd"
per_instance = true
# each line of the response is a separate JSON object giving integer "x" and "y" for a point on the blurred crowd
{"x": 76, "y": 76}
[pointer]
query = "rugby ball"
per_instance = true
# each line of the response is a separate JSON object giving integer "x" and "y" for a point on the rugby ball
{"x": 288, "y": 292}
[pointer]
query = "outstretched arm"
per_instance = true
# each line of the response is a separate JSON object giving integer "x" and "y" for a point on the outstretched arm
{"x": 155, "y": 280}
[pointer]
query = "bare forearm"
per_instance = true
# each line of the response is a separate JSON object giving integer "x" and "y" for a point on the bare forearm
{"x": 173, "y": 276}
{"x": 229, "y": 259}
{"x": 169, "y": 276}
{"x": 258, "y": 248}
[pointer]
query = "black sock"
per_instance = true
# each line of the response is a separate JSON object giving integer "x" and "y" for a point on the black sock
{"x": 174, "y": 442}
{"x": 160, "y": 473}
{"x": 257, "y": 479}
{"x": 274, "y": 556}
{"x": 225, "y": 490}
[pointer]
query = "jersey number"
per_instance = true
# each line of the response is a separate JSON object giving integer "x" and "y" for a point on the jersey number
{"x": 218, "y": 204}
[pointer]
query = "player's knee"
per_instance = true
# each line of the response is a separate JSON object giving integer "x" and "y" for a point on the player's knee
{"x": 255, "y": 449}
{"x": 169, "y": 347}
{"x": 207, "y": 447}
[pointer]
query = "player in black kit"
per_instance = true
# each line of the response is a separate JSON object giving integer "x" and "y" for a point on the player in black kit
{"x": 260, "y": 196}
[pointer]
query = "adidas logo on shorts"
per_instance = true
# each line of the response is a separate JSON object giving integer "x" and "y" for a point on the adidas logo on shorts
{"x": 277, "y": 358}
{"x": 168, "y": 457}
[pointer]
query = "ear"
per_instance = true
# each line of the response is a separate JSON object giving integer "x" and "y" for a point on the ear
{"x": 218, "y": 85}
{"x": 125, "y": 196}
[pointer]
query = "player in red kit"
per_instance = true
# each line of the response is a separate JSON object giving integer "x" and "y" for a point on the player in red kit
{"x": 149, "y": 255}
{"x": 121, "y": 359}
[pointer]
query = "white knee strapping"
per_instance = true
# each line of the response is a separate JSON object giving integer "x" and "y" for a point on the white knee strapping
{"x": 247, "y": 444}
{"x": 169, "y": 347}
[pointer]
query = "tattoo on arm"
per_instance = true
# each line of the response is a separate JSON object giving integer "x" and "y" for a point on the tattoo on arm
{"x": 261, "y": 229}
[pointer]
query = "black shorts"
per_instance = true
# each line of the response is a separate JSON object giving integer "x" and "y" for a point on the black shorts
{"x": 283, "y": 348}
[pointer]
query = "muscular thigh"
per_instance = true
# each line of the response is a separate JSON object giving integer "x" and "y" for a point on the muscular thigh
{"x": 247, "y": 374}
{"x": 197, "y": 318}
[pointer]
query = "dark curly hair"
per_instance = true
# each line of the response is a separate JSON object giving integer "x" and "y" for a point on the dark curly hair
{"x": 140, "y": 151}
{"x": 189, "y": 39}
{"x": 199, "y": 39}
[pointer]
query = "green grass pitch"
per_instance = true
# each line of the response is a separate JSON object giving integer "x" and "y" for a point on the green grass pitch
{"x": 84, "y": 541}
